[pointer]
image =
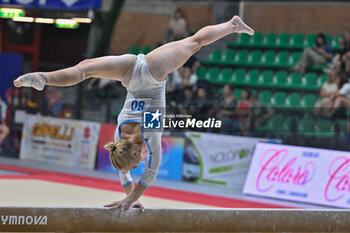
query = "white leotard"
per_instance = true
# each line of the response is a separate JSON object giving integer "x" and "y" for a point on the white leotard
{"x": 143, "y": 93}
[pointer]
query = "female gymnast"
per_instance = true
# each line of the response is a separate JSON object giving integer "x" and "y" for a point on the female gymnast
{"x": 144, "y": 78}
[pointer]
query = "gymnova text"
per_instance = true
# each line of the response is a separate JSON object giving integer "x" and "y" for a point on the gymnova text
{"x": 191, "y": 123}
{"x": 23, "y": 220}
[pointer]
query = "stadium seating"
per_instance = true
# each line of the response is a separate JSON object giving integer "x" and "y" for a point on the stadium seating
{"x": 251, "y": 78}
{"x": 279, "y": 79}
{"x": 238, "y": 76}
{"x": 262, "y": 62}
{"x": 335, "y": 42}
{"x": 238, "y": 93}
{"x": 274, "y": 124}
{"x": 288, "y": 122}
{"x": 308, "y": 81}
{"x": 255, "y": 58}
{"x": 294, "y": 58}
{"x": 215, "y": 57}
{"x": 265, "y": 97}
{"x": 282, "y": 40}
{"x": 295, "y": 41}
{"x": 224, "y": 76}
{"x": 263, "y": 78}
{"x": 278, "y": 99}
{"x": 309, "y": 40}
{"x": 267, "y": 58}
{"x": 292, "y": 43}
{"x": 308, "y": 101}
{"x": 306, "y": 126}
{"x": 227, "y": 57}
{"x": 201, "y": 72}
{"x": 292, "y": 100}
{"x": 323, "y": 128}
{"x": 256, "y": 40}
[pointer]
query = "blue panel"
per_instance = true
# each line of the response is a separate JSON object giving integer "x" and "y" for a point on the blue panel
{"x": 10, "y": 67}
{"x": 56, "y": 4}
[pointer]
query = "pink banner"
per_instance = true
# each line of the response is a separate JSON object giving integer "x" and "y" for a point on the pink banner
{"x": 302, "y": 174}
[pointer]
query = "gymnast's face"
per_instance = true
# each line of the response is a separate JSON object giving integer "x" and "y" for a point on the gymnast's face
{"x": 138, "y": 157}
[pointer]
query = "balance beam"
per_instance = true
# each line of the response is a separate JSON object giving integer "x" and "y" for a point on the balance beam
{"x": 17, "y": 219}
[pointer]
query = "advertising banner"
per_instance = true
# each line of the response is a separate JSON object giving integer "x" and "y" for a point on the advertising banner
{"x": 171, "y": 163}
{"x": 60, "y": 141}
{"x": 106, "y": 135}
{"x": 308, "y": 175}
{"x": 56, "y": 4}
{"x": 221, "y": 159}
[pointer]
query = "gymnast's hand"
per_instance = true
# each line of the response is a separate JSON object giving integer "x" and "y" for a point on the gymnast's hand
{"x": 125, "y": 205}
{"x": 35, "y": 80}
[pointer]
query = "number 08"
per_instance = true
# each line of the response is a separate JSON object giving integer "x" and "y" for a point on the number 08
{"x": 137, "y": 105}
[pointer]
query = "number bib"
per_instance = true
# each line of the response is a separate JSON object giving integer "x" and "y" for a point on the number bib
{"x": 138, "y": 105}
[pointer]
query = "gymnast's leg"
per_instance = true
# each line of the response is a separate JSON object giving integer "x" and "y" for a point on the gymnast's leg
{"x": 171, "y": 56}
{"x": 112, "y": 67}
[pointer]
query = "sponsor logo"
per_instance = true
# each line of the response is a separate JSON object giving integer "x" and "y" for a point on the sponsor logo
{"x": 87, "y": 132}
{"x": 310, "y": 154}
{"x": 65, "y": 133}
{"x": 152, "y": 120}
{"x": 232, "y": 155}
{"x": 278, "y": 167}
{"x": 23, "y": 220}
{"x": 339, "y": 179}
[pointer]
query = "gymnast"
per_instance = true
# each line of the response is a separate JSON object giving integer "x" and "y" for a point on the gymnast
{"x": 144, "y": 78}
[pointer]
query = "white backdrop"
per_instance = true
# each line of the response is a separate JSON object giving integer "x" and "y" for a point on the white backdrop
{"x": 60, "y": 141}
{"x": 302, "y": 174}
{"x": 223, "y": 158}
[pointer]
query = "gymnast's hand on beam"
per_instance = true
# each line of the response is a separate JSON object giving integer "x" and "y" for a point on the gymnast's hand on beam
{"x": 125, "y": 205}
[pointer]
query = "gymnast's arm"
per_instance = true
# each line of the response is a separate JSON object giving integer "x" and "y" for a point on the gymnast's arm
{"x": 126, "y": 181}
{"x": 111, "y": 67}
{"x": 152, "y": 166}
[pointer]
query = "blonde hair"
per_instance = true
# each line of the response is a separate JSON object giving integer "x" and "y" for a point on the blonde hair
{"x": 119, "y": 153}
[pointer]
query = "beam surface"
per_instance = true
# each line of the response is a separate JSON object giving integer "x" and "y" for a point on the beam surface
{"x": 50, "y": 219}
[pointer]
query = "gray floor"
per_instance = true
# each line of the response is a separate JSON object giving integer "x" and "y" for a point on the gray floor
{"x": 6, "y": 172}
{"x": 185, "y": 186}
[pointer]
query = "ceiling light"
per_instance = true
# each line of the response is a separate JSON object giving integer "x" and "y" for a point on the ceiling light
{"x": 66, "y": 23}
{"x": 23, "y": 19}
{"x": 11, "y": 12}
{"x": 44, "y": 20}
{"x": 83, "y": 20}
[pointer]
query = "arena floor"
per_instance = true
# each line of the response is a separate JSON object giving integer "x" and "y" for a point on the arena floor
{"x": 28, "y": 183}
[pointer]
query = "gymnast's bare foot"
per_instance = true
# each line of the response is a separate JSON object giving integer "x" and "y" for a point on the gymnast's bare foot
{"x": 240, "y": 26}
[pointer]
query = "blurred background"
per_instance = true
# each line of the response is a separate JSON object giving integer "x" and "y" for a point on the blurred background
{"x": 286, "y": 85}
